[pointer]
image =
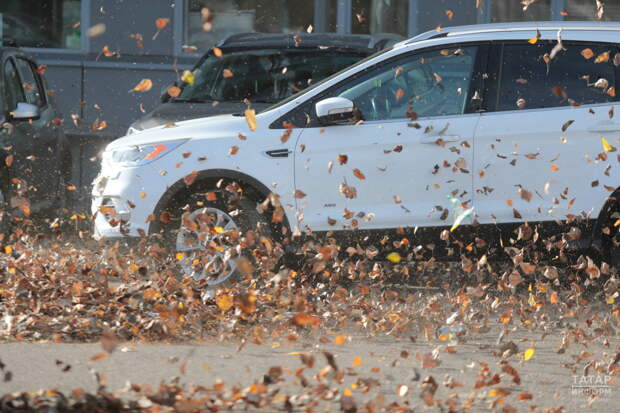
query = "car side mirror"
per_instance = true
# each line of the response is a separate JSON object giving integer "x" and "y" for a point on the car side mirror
{"x": 25, "y": 111}
{"x": 334, "y": 111}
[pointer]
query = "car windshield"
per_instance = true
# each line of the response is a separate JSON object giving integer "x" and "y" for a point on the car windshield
{"x": 263, "y": 76}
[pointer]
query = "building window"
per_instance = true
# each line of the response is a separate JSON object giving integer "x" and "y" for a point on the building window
{"x": 379, "y": 16}
{"x": 581, "y": 10}
{"x": 210, "y": 21}
{"x": 41, "y": 23}
{"x": 504, "y": 11}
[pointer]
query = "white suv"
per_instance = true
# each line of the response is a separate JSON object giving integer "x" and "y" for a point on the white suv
{"x": 466, "y": 126}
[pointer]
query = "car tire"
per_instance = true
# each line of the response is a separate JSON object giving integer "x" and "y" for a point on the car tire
{"x": 210, "y": 255}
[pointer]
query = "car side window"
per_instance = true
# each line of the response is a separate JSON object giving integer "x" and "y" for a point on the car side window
{"x": 430, "y": 83}
{"x": 14, "y": 93}
{"x": 577, "y": 75}
{"x": 31, "y": 84}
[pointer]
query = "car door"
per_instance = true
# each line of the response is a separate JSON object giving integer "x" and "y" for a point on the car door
{"x": 37, "y": 157}
{"x": 539, "y": 153}
{"x": 407, "y": 157}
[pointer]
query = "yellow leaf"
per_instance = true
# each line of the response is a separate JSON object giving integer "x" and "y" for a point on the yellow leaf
{"x": 188, "y": 77}
{"x": 219, "y": 230}
{"x": 180, "y": 255}
{"x": 394, "y": 257}
{"x": 8, "y": 249}
{"x": 206, "y": 366}
{"x": 224, "y": 302}
{"x": 347, "y": 392}
{"x": 533, "y": 40}
{"x": 553, "y": 299}
{"x": 528, "y": 354}
{"x": 144, "y": 86}
{"x": 250, "y": 117}
{"x": 606, "y": 146}
{"x": 611, "y": 299}
{"x": 357, "y": 361}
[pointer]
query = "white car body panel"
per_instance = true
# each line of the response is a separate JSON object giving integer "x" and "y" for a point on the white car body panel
{"x": 408, "y": 174}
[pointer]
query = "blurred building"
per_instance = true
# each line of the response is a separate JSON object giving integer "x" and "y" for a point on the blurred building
{"x": 97, "y": 50}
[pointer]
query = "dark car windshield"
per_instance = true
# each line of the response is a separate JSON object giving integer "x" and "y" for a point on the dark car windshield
{"x": 266, "y": 76}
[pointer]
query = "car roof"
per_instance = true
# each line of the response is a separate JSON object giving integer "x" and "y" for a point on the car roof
{"x": 482, "y": 29}
{"x": 359, "y": 42}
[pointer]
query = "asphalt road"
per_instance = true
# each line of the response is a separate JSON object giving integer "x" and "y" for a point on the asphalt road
{"x": 549, "y": 377}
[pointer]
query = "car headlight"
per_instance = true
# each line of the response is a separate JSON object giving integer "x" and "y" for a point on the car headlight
{"x": 138, "y": 155}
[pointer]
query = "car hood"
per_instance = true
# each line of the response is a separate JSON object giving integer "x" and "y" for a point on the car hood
{"x": 223, "y": 126}
{"x": 179, "y": 111}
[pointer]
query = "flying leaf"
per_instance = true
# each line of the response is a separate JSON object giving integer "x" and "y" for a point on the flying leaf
{"x": 342, "y": 159}
{"x": 188, "y": 77}
{"x": 227, "y": 73}
{"x": 606, "y": 146}
{"x": 8, "y": 160}
{"x": 144, "y": 86}
{"x": 173, "y": 91}
{"x": 233, "y": 150}
{"x": 450, "y": 14}
{"x": 567, "y": 124}
{"x": 160, "y": 24}
{"x": 358, "y": 174}
{"x": 191, "y": 178}
{"x": 303, "y": 319}
{"x": 340, "y": 340}
{"x": 602, "y": 58}
{"x": 438, "y": 78}
{"x": 299, "y": 194}
{"x": 250, "y": 117}
{"x": 357, "y": 361}
{"x": 587, "y": 53}
{"x": 534, "y": 39}
{"x": 400, "y": 93}
{"x": 528, "y": 354}
{"x": 224, "y": 302}
{"x": 99, "y": 356}
{"x": 217, "y": 52}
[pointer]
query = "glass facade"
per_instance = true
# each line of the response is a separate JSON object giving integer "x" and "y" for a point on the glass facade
{"x": 210, "y": 21}
{"x": 584, "y": 10}
{"x": 515, "y": 11}
{"x": 379, "y": 16}
{"x": 41, "y": 23}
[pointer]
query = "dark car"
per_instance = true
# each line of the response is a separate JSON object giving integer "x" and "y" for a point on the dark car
{"x": 261, "y": 68}
{"x": 34, "y": 157}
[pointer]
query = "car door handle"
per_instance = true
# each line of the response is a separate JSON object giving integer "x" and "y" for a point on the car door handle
{"x": 278, "y": 153}
{"x": 434, "y": 139}
{"x": 604, "y": 127}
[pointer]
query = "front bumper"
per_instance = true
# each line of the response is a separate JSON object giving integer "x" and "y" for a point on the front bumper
{"x": 123, "y": 201}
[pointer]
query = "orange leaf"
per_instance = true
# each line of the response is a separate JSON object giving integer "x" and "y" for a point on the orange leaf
{"x": 217, "y": 51}
{"x": 8, "y": 160}
{"x": 161, "y": 23}
{"x": 587, "y": 53}
{"x": 525, "y": 396}
{"x": 450, "y": 14}
{"x": 555, "y": 168}
{"x": 340, "y": 340}
{"x": 400, "y": 93}
{"x": 224, "y": 302}
{"x": 250, "y": 117}
{"x": 233, "y": 150}
{"x": 99, "y": 356}
{"x": 173, "y": 91}
{"x": 302, "y": 319}
{"x": 189, "y": 179}
{"x": 358, "y": 174}
{"x": 553, "y": 299}
{"x": 357, "y": 361}
{"x": 602, "y": 58}
{"x": 342, "y": 159}
{"x": 227, "y": 73}
{"x": 144, "y": 86}
{"x": 299, "y": 194}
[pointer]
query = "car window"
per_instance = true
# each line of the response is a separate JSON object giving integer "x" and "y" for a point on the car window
{"x": 580, "y": 74}
{"x": 14, "y": 93}
{"x": 266, "y": 76}
{"x": 431, "y": 83}
{"x": 30, "y": 83}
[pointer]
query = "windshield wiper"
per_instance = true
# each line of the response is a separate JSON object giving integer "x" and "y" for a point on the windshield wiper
{"x": 190, "y": 100}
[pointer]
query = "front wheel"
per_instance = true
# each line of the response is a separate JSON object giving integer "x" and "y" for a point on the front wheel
{"x": 212, "y": 239}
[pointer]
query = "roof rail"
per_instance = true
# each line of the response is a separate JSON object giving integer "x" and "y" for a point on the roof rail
{"x": 520, "y": 26}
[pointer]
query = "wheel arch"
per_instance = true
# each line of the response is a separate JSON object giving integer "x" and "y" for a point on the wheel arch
{"x": 613, "y": 200}
{"x": 257, "y": 190}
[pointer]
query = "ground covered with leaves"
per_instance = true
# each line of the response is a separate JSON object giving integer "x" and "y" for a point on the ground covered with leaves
{"x": 58, "y": 291}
